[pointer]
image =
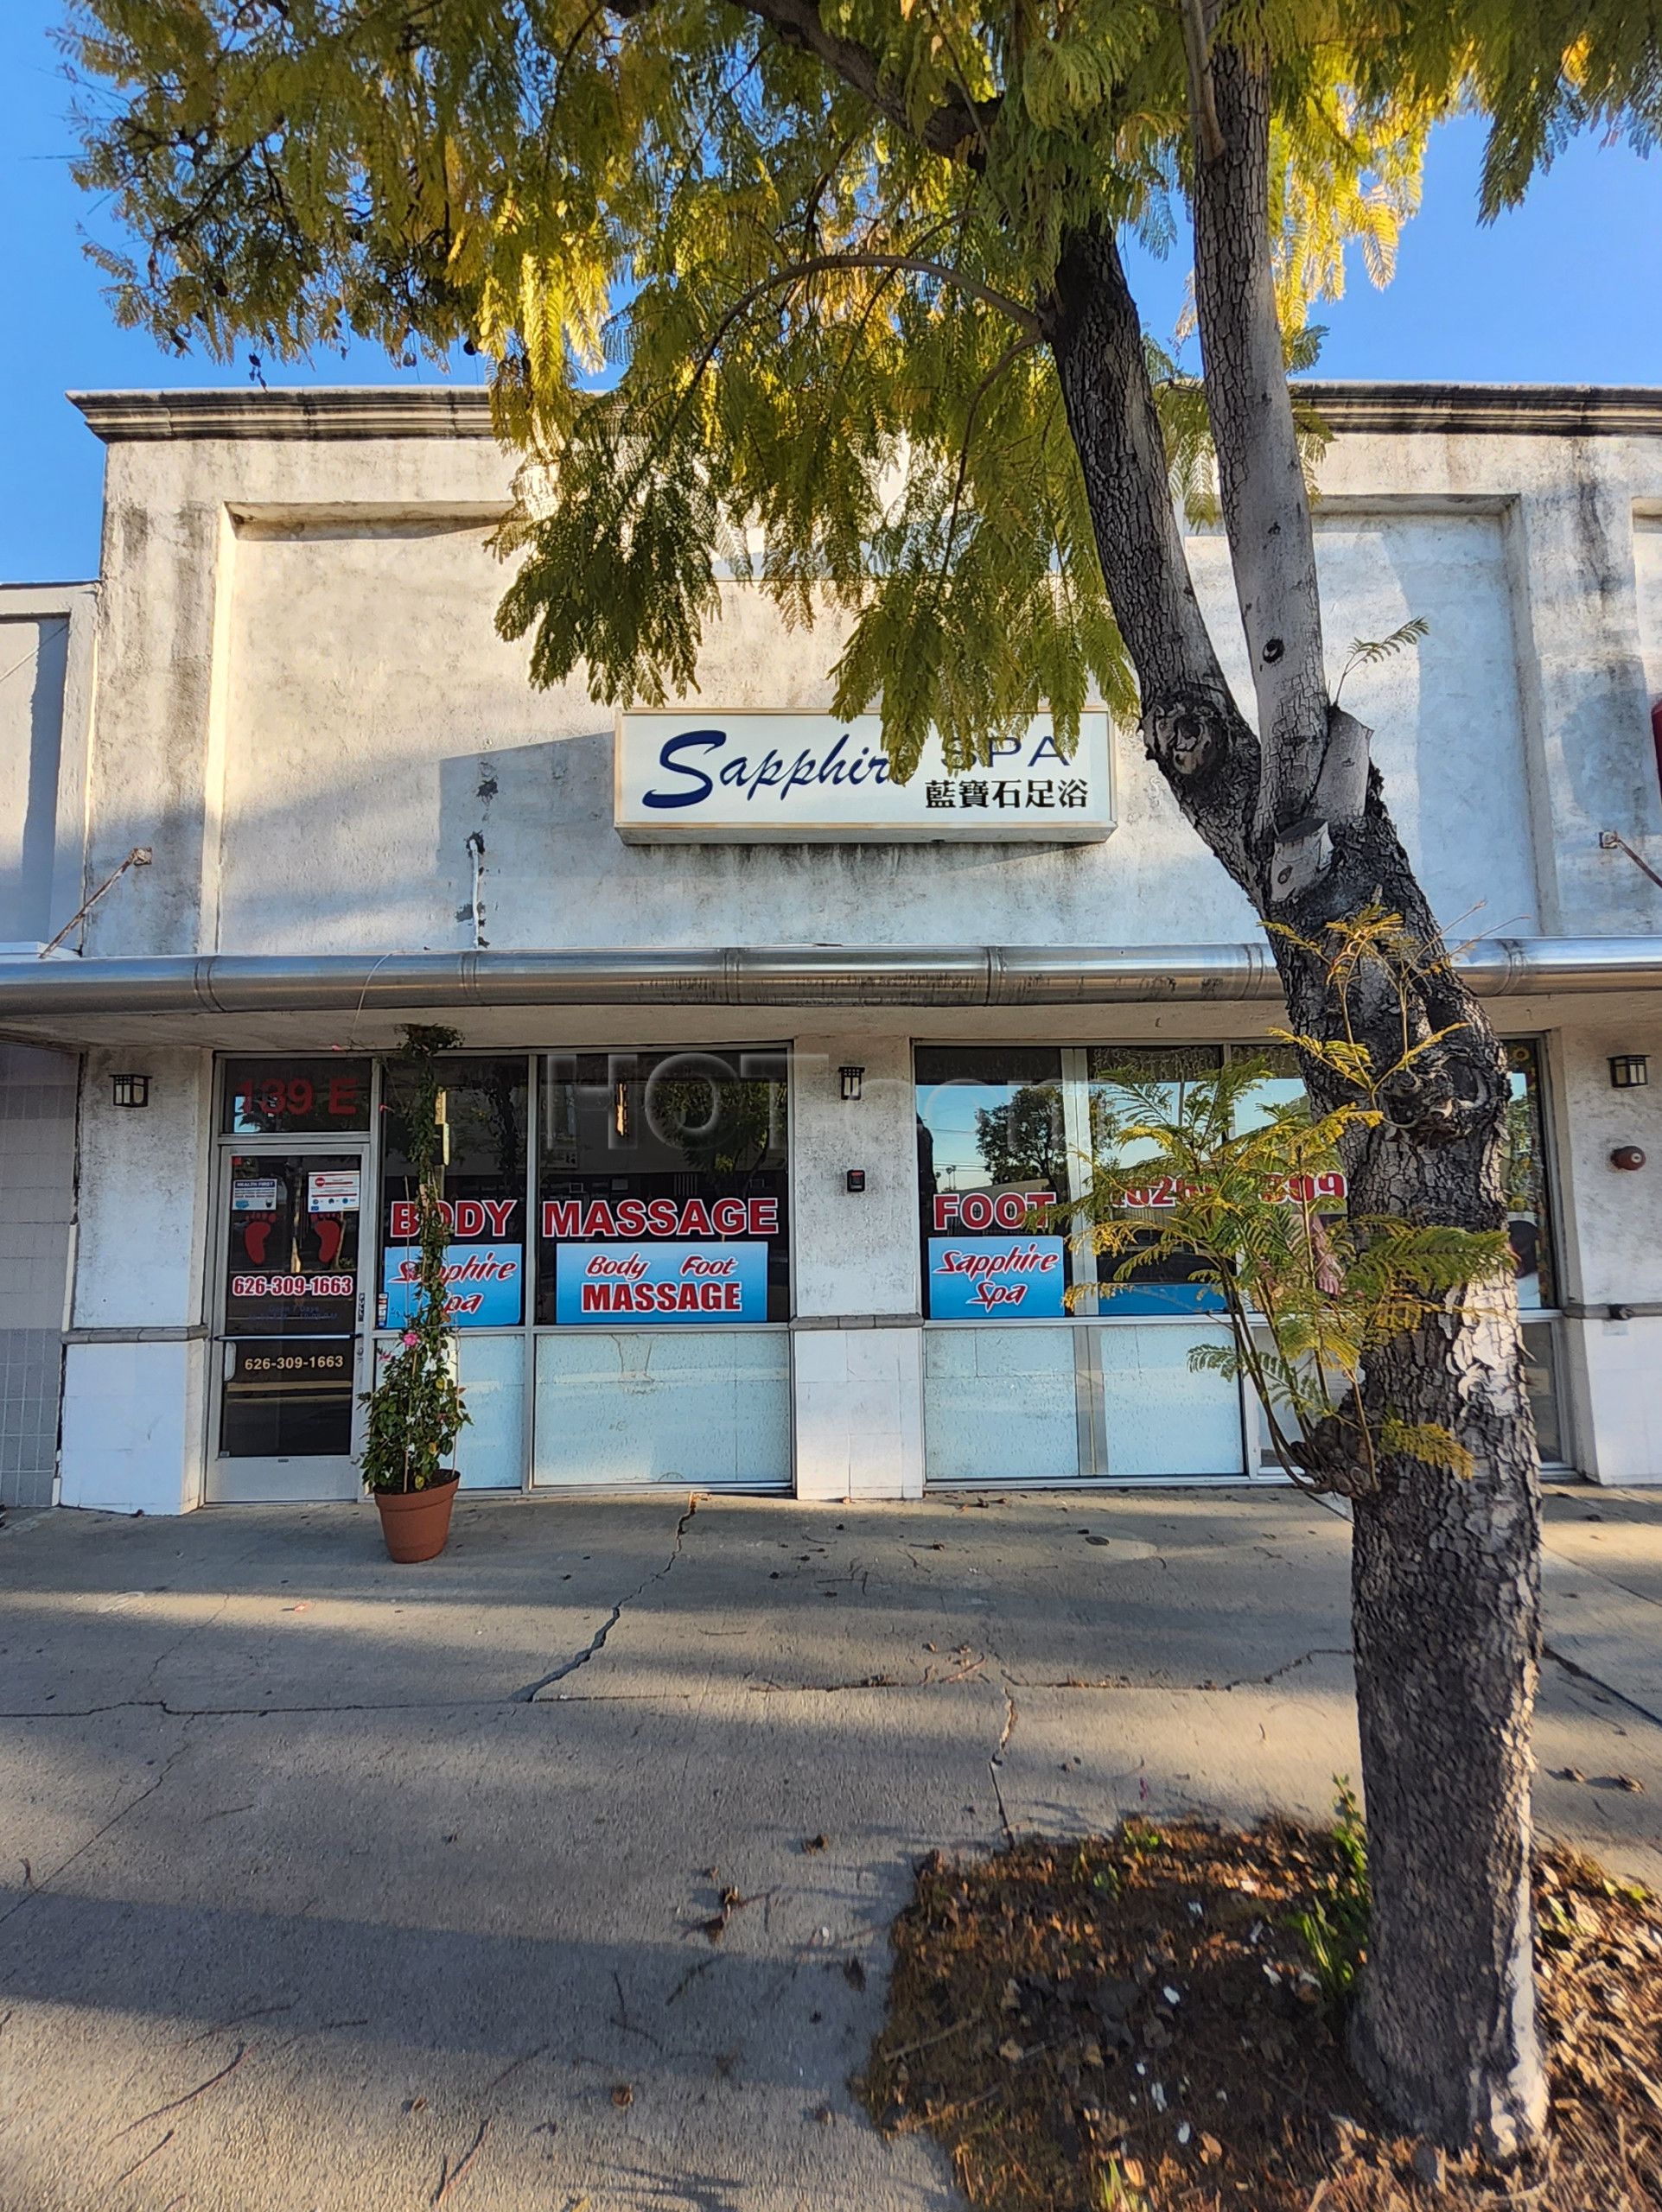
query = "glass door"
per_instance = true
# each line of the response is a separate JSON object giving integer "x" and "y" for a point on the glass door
{"x": 288, "y": 1306}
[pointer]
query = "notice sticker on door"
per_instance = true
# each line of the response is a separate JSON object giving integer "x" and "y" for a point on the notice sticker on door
{"x": 332, "y": 1190}
{"x": 259, "y": 1196}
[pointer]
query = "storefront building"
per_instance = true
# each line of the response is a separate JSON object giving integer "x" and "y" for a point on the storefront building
{"x": 763, "y": 1059}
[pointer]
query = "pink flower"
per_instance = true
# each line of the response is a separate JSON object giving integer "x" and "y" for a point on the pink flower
{"x": 411, "y": 1337}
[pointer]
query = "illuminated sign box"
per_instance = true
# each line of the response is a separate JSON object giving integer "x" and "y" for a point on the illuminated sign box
{"x": 700, "y": 776}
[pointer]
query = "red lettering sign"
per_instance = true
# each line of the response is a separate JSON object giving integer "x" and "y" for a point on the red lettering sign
{"x": 593, "y": 1220}
{"x": 980, "y": 1210}
{"x": 662, "y": 1297}
{"x": 466, "y": 1217}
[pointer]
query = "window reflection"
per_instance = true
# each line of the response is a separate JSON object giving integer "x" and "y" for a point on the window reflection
{"x": 1526, "y": 1181}
{"x": 483, "y": 1102}
{"x": 1157, "y": 1285}
{"x": 992, "y": 1146}
{"x": 662, "y": 1186}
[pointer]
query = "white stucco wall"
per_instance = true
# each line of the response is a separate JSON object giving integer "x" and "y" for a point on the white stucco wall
{"x": 46, "y": 673}
{"x": 304, "y": 710}
{"x": 304, "y": 706}
{"x": 856, "y": 1385}
{"x": 369, "y": 707}
{"x": 1611, "y": 1242}
{"x": 136, "y": 1362}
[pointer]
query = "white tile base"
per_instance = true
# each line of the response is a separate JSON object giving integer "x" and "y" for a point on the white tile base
{"x": 859, "y": 1413}
{"x": 132, "y": 1426}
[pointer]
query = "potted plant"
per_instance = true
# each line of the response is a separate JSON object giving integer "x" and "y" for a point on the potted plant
{"x": 415, "y": 1412}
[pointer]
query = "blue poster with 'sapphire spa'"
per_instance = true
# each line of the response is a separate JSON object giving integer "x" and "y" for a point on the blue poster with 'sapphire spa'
{"x": 1002, "y": 1278}
{"x": 631, "y": 1285}
{"x": 483, "y": 1284}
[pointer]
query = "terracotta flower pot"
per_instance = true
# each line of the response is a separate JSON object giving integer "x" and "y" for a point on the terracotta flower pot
{"x": 415, "y": 1523}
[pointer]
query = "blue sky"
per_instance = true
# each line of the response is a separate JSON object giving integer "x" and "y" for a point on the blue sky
{"x": 1568, "y": 289}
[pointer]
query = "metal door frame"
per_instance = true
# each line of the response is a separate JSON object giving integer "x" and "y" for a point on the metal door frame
{"x": 344, "y": 1482}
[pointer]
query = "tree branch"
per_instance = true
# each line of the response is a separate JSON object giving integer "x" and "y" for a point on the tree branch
{"x": 1266, "y": 508}
{"x": 1190, "y": 721}
{"x": 949, "y": 130}
{"x": 1203, "y": 104}
{"x": 818, "y": 263}
{"x": 1012, "y": 352}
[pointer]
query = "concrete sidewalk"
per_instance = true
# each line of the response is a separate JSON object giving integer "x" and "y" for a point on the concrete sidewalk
{"x": 317, "y": 1874}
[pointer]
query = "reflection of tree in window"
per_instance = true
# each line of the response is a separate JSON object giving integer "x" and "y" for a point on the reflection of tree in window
{"x": 1526, "y": 1175}
{"x": 1021, "y": 1141}
{"x": 720, "y": 1125}
{"x": 1113, "y": 1067}
{"x": 1163, "y": 1068}
{"x": 484, "y": 1109}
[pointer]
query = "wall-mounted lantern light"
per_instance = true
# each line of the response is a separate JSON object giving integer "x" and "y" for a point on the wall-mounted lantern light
{"x": 852, "y": 1079}
{"x": 1629, "y": 1071}
{"x": 130, "y": 1089}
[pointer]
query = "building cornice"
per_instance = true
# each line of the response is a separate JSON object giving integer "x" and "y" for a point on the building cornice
{"x": 446, "y": 411}
{"x": 1558, "y": 410}
{"x": 316, "y": 412}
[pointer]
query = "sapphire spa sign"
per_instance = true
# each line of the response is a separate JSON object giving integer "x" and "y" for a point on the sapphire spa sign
{"x": 699, "y": 776}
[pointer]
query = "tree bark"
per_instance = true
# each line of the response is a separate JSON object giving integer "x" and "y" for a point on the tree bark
{"x": 1261, "y": 486}
{"x": 1445, "y": 1623}
{"x": 1445, "y": 1572}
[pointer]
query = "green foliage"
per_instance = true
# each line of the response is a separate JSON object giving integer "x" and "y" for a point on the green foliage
{"x": 1335, "y": 1924}
{"x": 1311, "y": 1293}
{"x": 753, "y": 309}
{"x": 1367, "y": 652}
{"x": 1021, "y": 1140}
{"x": 415, "y": 1412}
{"x": 1542, "y": 74}
{"x": 1115, "y": 2192}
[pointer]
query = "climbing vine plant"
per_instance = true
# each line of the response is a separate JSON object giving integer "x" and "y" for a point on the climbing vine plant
{"x": 414, "y": 1411}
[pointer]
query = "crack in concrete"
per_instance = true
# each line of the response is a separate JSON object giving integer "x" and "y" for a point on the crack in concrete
{"x": 1319, "y": 1651}
{"x": 927, "y": 1681}
{"x": 37, "y": 1888}
{"x": 1608, "y": 1689}
{"x": 179, "y": 1641}
{"x": 597, "y": 1641}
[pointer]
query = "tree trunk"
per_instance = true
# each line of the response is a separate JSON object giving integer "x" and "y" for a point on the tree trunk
{"x": 1445, "y": 1572}
{"x": 1445, "y": 1623}
{"x": 1261, "y": 487}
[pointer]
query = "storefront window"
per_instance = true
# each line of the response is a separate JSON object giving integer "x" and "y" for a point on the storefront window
{"x": 992, "y": 1147}
{"x": 662, "y": 1189}
{"x": 482, "y": 1103}
{"x": 322, "y": 1096}
{"x": 1527, "y": 1205}
{"x": 1133, "y": 1081}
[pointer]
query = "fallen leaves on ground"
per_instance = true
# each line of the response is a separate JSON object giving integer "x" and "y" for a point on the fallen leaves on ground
{"x": 1130, "y": 2024}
